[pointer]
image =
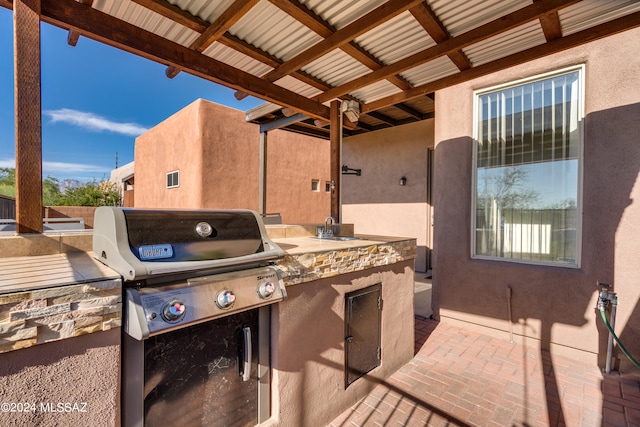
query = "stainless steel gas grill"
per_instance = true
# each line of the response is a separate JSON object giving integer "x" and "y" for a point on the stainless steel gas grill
{"x": 197, "y": 296}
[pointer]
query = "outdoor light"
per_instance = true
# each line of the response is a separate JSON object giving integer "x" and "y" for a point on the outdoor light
{"x": 346, "y": 170}
{"x": 403, "y": 181}
{"x": 351, "y": 109}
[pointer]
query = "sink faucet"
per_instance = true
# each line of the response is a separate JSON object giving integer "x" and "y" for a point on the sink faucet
{"x": 328, "y": 230}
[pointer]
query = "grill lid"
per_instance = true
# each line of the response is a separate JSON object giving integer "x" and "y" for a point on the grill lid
{"x": 138, "y": 243}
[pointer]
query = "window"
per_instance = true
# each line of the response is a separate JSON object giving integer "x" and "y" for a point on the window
{"x": 315, "y": 185}
{"x": 327, "y": 187}
{"x": 173, "y": 179}
{"x": 527, "y": 170}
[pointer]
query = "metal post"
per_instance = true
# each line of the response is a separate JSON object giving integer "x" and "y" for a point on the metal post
{"x": 335, "y": 137}
{"x": 262, "y": 175}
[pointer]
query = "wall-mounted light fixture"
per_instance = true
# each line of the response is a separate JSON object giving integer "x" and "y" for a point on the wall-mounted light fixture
{"x": 351, "y": 109}
{"x": 349, "y": 171}
{"x": 403, "y": 181}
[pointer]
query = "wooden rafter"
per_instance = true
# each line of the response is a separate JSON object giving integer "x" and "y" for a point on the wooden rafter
{"x": 199, "y": 25}
{"x": 495, "y": 27}
{"x": 73, "y": 36}
{"x": 316, "y": 24}
{"x": 410, "y": 111}
{"x": 343, "y": 36}
{"x": 550, "y": 24}
{"x": 576, "y": 39}
{"x": 432, "y": 25}
{"x": 217, "y": 28}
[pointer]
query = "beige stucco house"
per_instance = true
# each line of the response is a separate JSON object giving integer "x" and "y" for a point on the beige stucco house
{"x": 207, "y": 156}
{"x": 550, "y": 295}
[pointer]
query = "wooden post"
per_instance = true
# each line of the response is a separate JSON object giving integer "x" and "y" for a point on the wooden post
{"x": 335, "y": 132}
{"x": 28, "y": 115}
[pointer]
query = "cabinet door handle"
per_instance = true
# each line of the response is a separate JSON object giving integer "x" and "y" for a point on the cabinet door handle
{"x": 246, "y": 368}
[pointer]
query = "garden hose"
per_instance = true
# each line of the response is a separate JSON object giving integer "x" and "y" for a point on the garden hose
{"x": 624, "y": 350}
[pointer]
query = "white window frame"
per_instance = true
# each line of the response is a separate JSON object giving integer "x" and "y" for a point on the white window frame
{"x": 177, "y": 172}
{"x": 315, "y": 185}
{"x": 581, "y": 69}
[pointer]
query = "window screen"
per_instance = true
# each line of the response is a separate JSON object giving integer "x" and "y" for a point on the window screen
{"x": 527, "y": 171}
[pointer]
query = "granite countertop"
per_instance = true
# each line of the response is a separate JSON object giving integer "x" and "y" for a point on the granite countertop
{"x": 306, "y": 256}
{"x": 19, "y": 274}
{"x": 308, "y": 244}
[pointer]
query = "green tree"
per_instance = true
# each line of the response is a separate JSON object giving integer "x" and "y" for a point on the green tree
{"x": 8, "y": 182}
{"x": 93, "y": 193}
{"x": 50, "y": 191}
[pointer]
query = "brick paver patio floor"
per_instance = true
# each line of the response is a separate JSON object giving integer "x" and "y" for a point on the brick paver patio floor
{"x": 463, "y": 378}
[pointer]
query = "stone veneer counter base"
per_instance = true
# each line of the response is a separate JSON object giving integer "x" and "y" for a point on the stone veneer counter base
{"x": 54, "y": 297}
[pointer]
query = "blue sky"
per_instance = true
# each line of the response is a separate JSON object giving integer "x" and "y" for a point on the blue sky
{"x": 95, "y": 101}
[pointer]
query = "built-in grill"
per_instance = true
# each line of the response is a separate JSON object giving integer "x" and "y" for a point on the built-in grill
{"x": 198, "y": 286}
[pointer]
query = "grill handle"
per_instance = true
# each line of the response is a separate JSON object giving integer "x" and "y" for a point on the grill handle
{"x": 246, "y": 368}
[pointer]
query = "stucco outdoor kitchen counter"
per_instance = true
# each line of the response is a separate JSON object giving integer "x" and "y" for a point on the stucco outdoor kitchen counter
{"x": 60, "y": 313}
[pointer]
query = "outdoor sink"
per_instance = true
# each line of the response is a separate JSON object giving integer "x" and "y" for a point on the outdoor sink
{"x": 337, "y": 238}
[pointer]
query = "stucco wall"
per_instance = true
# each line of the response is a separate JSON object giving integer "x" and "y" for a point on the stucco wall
{"x": 375, "y": 202}
{"x": 294, "y": 160}
{"x": 308, "y": 354}
{"x": 174, "y": 144}
{"x": 218, "y": 155}
{"x": 552, "y": 304}
{"x": 80, "y": 373}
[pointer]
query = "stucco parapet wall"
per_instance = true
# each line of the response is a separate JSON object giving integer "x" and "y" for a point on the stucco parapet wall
{"x": 56, "y": 297}
{"x": 308, "y": 260}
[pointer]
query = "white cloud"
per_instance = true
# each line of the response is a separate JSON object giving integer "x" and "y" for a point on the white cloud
{"x": 57, "y": 167}
{"x": 65, "y": 170}
{"x": 7, "y": 163}
{"x": 94, "y": 122}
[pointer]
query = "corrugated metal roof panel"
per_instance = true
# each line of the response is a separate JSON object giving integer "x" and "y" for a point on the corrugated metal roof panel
{"x": 295, "y": 85}
{"x": 507, "y": 43}
{"x": 272, "y": 30}
{"x": 588, "y": 13}
{"x": 339, "y": 13}
{"x": 204, "y": 9}
{"x": 238, "y": 60}
{"x": 336, "y": 68}
{"x": 430, "y": 71}
{"x": 147, "y": 20}
{"x": 382, "y": 42}
{"x": 375, "y": 91}
{"x": 460, "y": 16}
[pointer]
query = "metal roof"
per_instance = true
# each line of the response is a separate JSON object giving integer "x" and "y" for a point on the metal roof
{"x": 389, "y": 55}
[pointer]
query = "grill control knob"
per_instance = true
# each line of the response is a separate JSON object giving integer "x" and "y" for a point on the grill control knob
{"x": 266, "y": 289}
{"x": 225, "y": 299}
{"x": 173, "y": 311}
